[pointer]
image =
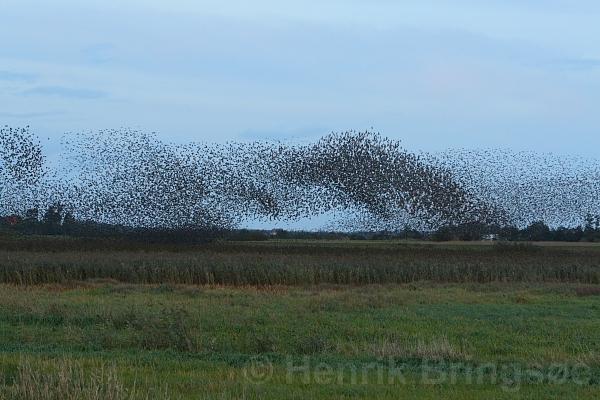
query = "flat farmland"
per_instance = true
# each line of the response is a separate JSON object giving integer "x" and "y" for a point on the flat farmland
{"x": 298, "y": 319}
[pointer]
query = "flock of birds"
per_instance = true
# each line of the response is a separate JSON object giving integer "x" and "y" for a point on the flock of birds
{"x": 132, "y": 178}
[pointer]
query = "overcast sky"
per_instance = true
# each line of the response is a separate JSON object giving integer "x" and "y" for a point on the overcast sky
{"x": 436, "y": 74}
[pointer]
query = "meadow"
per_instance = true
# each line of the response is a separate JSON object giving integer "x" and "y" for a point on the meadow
{"x": 298, "y": 319}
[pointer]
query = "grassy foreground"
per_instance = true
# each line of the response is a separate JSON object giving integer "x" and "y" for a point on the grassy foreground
{"x": 418, "y": 340}
{"x": 275, "y": 320}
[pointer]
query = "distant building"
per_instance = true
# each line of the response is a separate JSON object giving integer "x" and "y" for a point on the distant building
{"x": 490, "y": 237}
{"x": 277, "y": 232}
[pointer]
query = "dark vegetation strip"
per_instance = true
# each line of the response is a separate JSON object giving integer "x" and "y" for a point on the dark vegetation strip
{"x": 239, "y": 264}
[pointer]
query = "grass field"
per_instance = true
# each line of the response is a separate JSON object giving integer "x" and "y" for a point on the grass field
{"x": 288, "y": 320}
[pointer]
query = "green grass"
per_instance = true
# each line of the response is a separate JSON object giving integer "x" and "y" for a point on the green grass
{"x": 203, "y": 342}
{"x": 298, "y": 319}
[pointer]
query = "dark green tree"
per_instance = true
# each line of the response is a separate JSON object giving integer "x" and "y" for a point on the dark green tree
{"x": 537, "y": 232}
{"x": 53, "y": 218}
{"x": 590, "y": 227}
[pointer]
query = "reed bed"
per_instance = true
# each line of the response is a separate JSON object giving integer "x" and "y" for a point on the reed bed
{"x": 303, "y": 264}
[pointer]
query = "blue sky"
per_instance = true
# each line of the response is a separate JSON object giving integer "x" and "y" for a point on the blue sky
{"x": 435, "y": 74}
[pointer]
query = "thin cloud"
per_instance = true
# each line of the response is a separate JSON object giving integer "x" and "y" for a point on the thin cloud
{"x": 30, "y": 114}
{"x": 65, "y": 92}
{"x": 580, "y": 63}
{"x": 16, "y": 76}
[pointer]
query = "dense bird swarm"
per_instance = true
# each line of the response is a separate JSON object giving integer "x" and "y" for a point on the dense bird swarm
{"x": 21, "y": 168}
{"x": 131, "y": 178}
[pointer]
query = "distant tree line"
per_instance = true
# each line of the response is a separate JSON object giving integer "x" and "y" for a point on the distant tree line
{"x": 535, "y": 232}
{"x": 55, "y": 220}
